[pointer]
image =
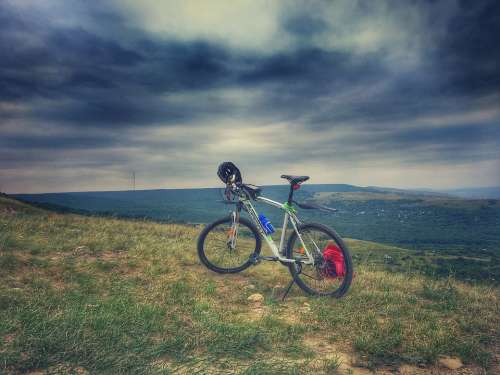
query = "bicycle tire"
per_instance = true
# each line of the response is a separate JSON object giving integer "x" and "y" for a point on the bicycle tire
{"x": 344, "y": 287}
{"x": 210, "y": 227}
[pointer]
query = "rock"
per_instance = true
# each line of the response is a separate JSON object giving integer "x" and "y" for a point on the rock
{"x": 249, "y": 286}
{"x": 360, "y": 361}
{"x": 81, "y": 250}
{"x": 256, "y": 297}
{"x": 452, "y": 363}
{"x": 360, "y": 371}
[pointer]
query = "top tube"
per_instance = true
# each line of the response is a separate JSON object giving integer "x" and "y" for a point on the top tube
{"x": 270, "y": 202}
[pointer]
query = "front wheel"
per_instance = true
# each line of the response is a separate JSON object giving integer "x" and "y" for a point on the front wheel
{"x": 332, "y": 272}
{"x": 228, "y": 248}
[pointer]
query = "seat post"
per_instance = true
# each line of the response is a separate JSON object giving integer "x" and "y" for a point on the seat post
{"x": 295, "y": 182}
{"x": 290, "y": 195}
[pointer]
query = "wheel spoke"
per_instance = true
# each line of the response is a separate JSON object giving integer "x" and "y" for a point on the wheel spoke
{"x": 317, "y": 278}
{"x": 216, "y": 247}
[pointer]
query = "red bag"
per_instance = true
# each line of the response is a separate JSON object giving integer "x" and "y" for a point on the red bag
{"x": 334, "y": 259}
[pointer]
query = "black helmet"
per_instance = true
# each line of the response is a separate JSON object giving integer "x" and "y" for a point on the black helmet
{"x": 229, "y": 173}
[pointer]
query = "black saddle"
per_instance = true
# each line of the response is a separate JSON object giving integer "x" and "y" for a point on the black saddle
{"x": 295, "y": 180}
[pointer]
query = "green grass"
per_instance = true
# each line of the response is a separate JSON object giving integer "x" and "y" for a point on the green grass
{"x": 98, "y": 295}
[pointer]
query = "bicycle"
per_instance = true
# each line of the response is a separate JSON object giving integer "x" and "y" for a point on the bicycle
{"x": 316, "y": 256}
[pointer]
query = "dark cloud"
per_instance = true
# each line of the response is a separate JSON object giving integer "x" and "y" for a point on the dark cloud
{"x": 461, "y": 136}
{"x": 304, "y": 25}
{"x": 55, "y": 142}
{"x": 110, "y": 78}
{"x": 113, "y": 82}
{"x": 468, "y": 55}
{"x": 93, "y": 80}
{"x": 450, "y": 144}
{"x": 313, "y": 67}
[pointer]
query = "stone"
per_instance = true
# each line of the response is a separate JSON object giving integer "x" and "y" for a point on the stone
{"x": 81, "y": 250}
{"x": 256, "y": 297}
{"x": 360, "y": 361}
{"x": 360, "y": 371}
{"x": 452, "y": 363}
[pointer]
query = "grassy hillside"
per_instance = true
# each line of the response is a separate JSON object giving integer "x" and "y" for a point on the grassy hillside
{"x": 464, "y": 229}
{"x": 98, "y": 295}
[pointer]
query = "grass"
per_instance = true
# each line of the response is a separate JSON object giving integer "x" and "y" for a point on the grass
{"x": 99, "y": 295}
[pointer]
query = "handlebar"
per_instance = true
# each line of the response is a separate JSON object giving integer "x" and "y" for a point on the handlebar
{"x": 232, "y": 188}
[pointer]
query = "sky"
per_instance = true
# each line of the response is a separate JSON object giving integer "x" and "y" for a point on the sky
{"x": 386, "y": 93}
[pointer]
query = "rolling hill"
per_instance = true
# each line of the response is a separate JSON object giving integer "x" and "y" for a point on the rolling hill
{"x": 476, "y": 193}
{"x": 465, "y": 229}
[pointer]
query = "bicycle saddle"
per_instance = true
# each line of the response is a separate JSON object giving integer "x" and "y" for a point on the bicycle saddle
{"x": 295, "y": 180}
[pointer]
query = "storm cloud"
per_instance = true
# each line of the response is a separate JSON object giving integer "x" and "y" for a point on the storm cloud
{"x": 348, "y": 91}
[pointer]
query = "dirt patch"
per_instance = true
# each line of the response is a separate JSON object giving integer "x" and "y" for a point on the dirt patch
{"x": 8, "y": 211}
{"x": 8, "y": 339}
{"x": 256, "y": 309}
{"x": 59, "y": 284}
{"x": 325, "y": 350}
{"x": 84, "y": 252}
{"x": 440, "y": 370}
{"x": 295, "y": 311}
{"x": 451, "y": 363}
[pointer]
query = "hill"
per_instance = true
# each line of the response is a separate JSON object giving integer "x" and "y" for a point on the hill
{"x": 464, "y": 229}
{"x": 476, "y": 193}
{"x": 83, "y": 294}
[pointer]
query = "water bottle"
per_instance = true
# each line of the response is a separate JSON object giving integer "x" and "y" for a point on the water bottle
{"x": 266, "y": 224}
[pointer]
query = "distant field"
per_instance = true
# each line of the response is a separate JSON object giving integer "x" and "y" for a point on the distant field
{"x": 85, "y": 295}
{"x": 354, "y": 196}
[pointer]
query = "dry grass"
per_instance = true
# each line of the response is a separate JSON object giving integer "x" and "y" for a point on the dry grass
{"x": 103, "y": 295}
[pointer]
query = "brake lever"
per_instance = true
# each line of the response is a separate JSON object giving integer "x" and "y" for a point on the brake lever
{"x": 309, "y": 206}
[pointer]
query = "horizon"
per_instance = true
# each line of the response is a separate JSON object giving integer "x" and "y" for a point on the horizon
{"x": 403, "y": 94}
{"x": 423, "y": 190}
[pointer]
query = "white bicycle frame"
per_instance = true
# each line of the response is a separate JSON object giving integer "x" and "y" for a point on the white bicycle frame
{"x": 289, "y": 216}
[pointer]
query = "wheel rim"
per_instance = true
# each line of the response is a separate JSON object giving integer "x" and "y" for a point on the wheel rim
{"x": 318, "y": 277}
{"x": 220, "y": 254}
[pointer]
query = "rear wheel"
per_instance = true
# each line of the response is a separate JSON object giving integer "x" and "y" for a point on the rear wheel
{"x": 320, "y": 279}
{"x": 220, "y": 254}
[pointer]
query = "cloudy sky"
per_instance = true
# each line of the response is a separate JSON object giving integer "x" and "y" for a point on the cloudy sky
{"x": 388, "y": 93}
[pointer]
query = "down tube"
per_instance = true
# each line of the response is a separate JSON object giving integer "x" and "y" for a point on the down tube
{"x": 255, "y": 217}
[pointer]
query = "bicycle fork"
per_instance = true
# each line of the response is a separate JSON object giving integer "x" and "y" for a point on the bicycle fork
{"x": 233, "y": 231}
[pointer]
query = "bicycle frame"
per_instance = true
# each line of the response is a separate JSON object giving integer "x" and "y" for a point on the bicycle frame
{"x": 289, "y": 216}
